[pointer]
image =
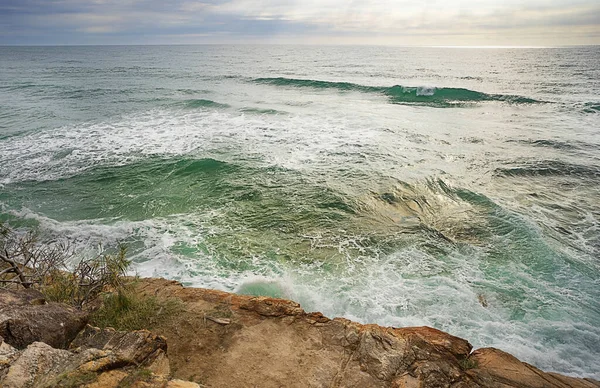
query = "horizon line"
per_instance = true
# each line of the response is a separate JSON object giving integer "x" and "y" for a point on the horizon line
{"x": 298, "y": 44}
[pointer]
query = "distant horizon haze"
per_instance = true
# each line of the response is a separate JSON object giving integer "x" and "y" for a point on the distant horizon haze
{"x": 331, "y": 22}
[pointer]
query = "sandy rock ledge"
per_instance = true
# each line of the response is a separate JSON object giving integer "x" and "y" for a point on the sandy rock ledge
{"x": 220, "y": 339}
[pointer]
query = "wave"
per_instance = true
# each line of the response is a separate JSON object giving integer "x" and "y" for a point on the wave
{"x": 556, "y": 144}
{"x": 591, "y": 107}
{"x": 405, "y": 95}
{"x": 549, "y": 168}
{"x": 201, "y": 103}
{"x": 262, "y": 111}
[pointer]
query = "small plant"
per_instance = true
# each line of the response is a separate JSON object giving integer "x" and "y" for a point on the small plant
{"x": 74, "y": 379}
{"x": 87, "y": 280}
{"x": 139, "y": 375}
{"x": 126, "y": 310}
{"x": 25, "y": 261}
{"x": 468, "y": 363}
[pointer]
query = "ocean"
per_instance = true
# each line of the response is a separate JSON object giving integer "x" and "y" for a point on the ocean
{"x": 457, "y": 188}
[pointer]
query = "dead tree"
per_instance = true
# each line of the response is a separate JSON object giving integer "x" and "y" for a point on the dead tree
{"x": 52, "y": 267}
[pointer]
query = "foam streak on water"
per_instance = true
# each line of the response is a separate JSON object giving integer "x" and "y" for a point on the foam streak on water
{"x": 380, "y": 184}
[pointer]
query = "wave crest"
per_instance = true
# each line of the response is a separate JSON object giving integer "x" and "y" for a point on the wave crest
{"x": 405, "y": 95}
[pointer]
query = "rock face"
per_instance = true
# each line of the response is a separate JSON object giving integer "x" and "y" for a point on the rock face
{"x": 499, "y": 369}
{"x": 266, "y": 342}
{"x": 139, "y": 347}
{"x": 98, "y": 358}
{"x": 25, "y": 317}
{"x": 37, "y": 334}
{"x": 226, "y": 340}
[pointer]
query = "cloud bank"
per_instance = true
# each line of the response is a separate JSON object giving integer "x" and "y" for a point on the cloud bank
{"x": 399, "y": 22}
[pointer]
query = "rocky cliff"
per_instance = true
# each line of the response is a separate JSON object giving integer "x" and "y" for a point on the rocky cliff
{"x": 220, "y": 339}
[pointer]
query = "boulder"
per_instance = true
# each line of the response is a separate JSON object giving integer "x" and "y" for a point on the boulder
{"x": 139, "y": 347}
{"x": 495, "y": 368}
{"x": 115, "y": 365}
{"x": 25, "y": 318}
{"x": 271, "y": 342}
{"x": 38, "y": 364}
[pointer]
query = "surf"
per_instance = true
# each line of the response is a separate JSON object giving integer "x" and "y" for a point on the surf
{"x": 440, "y": 97}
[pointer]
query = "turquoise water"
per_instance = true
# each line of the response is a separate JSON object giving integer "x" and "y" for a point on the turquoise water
{"x": 400, "y": 186}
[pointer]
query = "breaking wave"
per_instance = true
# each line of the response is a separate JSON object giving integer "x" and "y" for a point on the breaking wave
{"x": 405, "y": 95}
{"x": 549, "y": 168}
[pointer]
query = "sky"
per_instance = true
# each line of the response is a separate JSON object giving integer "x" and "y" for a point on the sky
{"x": 386, "y": 22}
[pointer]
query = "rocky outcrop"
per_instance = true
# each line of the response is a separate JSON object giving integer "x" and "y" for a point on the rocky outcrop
{"x": 26, "y": 317}
{"x": 139, "y": 347}
{"x": 218, "y": 339}
{"x": 98, "y": 359}
{"x": 228, "y": 340}
{"x": 496, "y": 368}
{"x": 36, "y": 335}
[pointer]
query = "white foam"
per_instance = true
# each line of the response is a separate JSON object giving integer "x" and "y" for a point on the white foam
{"x": 315, "y": 141}
{"x": 407, "y": 288}
{"x": 426, "y": 90}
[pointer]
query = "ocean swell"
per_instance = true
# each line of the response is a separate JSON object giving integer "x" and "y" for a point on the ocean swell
{"x": 405, "y": 95}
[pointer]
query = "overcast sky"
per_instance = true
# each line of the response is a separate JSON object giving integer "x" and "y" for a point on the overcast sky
{"x": 400, "y": 22}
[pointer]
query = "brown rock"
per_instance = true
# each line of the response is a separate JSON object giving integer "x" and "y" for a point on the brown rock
{"x": 496, "y": 368}
{"x": 8, "y": 355}
{"x": 42, "y": 366}
{"x": 274, "y": 343}
{"x": 23, "y": 322}
{"x": 264, "y": 342}
{"x": 139, "y": 347}
{"x": 175, "y": 383}
{"x": 456, "y": 346}
{"x": 110, "y": 379}
{"x": 36, "y": 366}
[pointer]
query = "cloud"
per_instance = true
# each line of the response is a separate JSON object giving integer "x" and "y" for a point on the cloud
{"x": 214, "y": 21}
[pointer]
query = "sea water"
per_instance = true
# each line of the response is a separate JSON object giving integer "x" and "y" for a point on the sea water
{"x": 457, "y": 188}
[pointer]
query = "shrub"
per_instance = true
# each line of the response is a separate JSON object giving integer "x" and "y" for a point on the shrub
{"x": 87, "y": 280}
{"x": 30, "y": 263}
{"x": 468, "y": 363}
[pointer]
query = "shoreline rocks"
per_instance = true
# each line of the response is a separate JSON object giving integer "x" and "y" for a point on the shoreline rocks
{"x": 220, "y": 339}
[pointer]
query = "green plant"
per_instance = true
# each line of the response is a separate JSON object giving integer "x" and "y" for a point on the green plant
{"x": 468, "y": 363}
{"x": 74, "y": 379}
{"x": 138, "y": 375}
{"x": 126, "y": 310}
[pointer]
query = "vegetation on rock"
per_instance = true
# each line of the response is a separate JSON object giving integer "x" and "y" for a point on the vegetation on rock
{"x": 128, "y": 310}
{"x": 52, "y": 268}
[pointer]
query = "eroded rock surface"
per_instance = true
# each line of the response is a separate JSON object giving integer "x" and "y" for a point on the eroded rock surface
{"x": 25, "y": 318}
{"x": 140, "y": 347}
{"x": 496, "y": 368}
{"x": 220, "y": 339}
{"x": 273, "y": 343}
{"x": 102, "y": 359}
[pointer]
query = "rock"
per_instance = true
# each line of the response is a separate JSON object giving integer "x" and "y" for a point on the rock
{"x": 8, "y": 355}
{"x": 138, "y": 347}
{"x": 273, "y": 343}
{"x": 25, "y": 318}
{"x": 42, "y": 366}
{"x": 181, "y": 384}
{"x": 98, "y": 358}
{"x": 35, "y": 366}
{"x": 456, "y": 346}
{"x": 269, "y": 307}
{"x": 227, "y": 340}
{"x": 108, "y": 379}
{"x": 495, "y": 368}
